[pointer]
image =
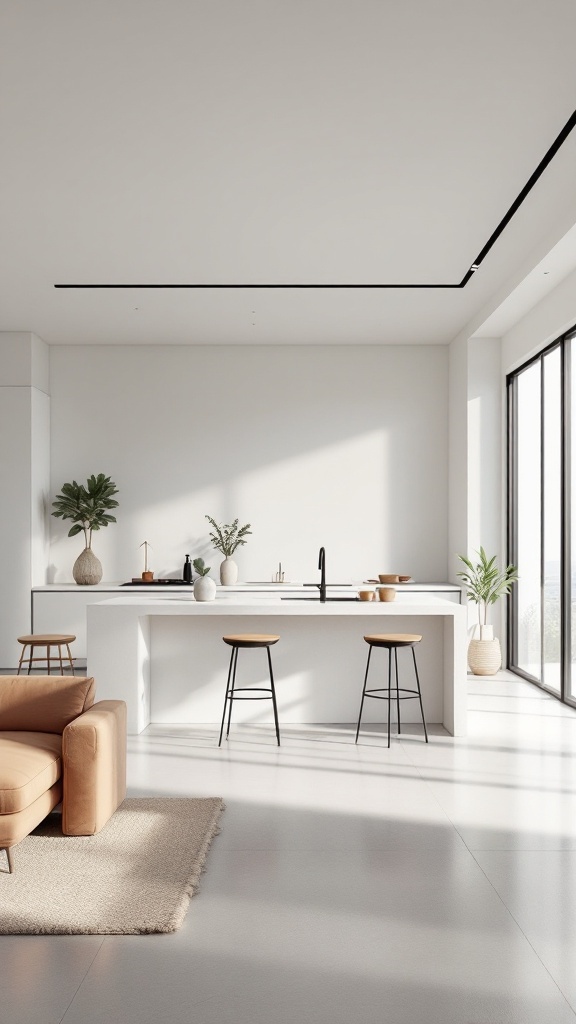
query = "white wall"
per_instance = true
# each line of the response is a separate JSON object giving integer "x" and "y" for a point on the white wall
{"x": 341, "y": 446}
{"x": 485, "y": 437}
{"x": 486, "y": 452}
{"x": 546, "y": 321}
{"x": 476, "y": 458}
{"x": 458, "y": 455}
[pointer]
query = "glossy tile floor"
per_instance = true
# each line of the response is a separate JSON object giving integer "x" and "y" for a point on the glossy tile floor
{"x": 349, "y": 884}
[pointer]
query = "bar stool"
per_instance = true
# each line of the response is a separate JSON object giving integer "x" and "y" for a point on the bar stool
{"x": 391, "y": 642}
{"x": 47, "y": 640}
{"x": 232, "y": 691}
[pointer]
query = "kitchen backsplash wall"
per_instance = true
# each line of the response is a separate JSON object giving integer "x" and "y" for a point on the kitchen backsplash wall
{"x": 340, "y": 446}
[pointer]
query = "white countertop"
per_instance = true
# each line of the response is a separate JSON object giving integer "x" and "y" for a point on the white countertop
{"x": 272, "y": 604}
{"x": 273, "y": 588}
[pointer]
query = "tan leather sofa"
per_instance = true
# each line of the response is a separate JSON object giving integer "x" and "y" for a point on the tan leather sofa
{"x": 57, "y": 745}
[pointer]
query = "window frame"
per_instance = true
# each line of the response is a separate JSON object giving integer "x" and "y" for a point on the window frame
{"x": 564, "y": 343}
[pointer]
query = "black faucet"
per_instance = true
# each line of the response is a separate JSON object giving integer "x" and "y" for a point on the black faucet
{"x": 322, "y": 566}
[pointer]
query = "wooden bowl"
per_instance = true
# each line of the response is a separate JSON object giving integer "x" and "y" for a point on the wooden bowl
{"x": 389, "y": 578}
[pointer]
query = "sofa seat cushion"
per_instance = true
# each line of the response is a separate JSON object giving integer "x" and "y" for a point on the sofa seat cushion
{"x": 30, "y": 764}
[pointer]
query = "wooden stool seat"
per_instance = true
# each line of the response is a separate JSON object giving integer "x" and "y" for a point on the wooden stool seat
{"x": 250, "y": 640}
{"x": 41, "y": 639}
{"x": 233, "y": 692}
{"x": 47, "y": 640}
{"x": 391, "y": 642}
{"x": 392, "y": 639}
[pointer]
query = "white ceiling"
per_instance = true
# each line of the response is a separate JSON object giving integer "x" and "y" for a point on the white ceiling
{"x": 303, "y": 141}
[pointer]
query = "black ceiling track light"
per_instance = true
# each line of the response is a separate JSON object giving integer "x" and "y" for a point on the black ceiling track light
{"x": 548, "y": 156}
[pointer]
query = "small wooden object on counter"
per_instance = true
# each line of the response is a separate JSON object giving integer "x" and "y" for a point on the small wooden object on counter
{"x": 386, "y": 593}
{"x": 147, "y": 575}
{"x": 366, "y": 595}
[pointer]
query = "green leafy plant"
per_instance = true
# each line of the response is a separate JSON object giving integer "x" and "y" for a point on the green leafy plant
{"x": 485, "y": 583}
{"x": 200, "y": 568}
{"x": 87, "y": 506}
{"x": 228, "y": 537}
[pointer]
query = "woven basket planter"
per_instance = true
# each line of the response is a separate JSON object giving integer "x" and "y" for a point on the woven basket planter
{"x": 484, "y": 657}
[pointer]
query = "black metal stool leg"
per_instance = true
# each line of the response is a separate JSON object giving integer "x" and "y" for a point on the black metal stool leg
{"x": 420, "y": 695}
{"x": 226, "y": 696}
{"x": 236, "y": 649}
{"x": 273, "y": 695}
{"x": 363, "y": 693}
{"x": 389, "y": 688}
{"x": 397, "y": 690}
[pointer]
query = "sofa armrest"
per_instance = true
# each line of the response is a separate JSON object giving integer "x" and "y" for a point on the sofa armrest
{"x": 93, "y": 767}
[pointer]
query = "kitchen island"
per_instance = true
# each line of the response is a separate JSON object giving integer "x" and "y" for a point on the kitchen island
{"x": 61, "y": 607}
{"x": 165, "y": 657}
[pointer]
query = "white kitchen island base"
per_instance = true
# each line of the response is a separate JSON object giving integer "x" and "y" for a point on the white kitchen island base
{"x": 166, "y": 658}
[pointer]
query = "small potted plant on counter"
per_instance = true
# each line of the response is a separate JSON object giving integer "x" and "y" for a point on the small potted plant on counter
{"x": 204, "y": 586}
{"x": 88, "y": 507}
{"x": 485, "y": 584}
{"x": 226, "y": 539}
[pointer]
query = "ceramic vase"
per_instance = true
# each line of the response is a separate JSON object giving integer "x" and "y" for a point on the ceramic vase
{"x": 87, "y": 569}
{"x": 228, "y": 572}
{"x": 204, "y": 589}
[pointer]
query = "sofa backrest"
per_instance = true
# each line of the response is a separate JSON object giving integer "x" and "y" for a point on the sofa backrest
{"x": 43, "y": 703}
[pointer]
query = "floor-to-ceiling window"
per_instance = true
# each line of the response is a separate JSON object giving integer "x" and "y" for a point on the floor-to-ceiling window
{"x": 542, "y": 474}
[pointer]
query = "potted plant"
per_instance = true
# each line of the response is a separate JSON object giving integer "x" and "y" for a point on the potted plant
{"x": 226, "y": 539}
{"x": 88, "y": 508}
{"x": 204, "y": 586}
{"x": 485, "y": 584}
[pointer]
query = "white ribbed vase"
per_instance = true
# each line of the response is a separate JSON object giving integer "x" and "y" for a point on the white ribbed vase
{"x": 484, "y": 657}
{"x": 87, "y": 569}
{"x": 228, "y": 572}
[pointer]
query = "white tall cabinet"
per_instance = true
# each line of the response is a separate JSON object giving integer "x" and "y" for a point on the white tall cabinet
{"x": 25, "y": 480}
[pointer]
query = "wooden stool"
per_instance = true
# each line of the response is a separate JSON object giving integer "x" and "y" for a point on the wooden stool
{"x": 391, "y": 642}
{"x": 47, "y": 640}
{"x": 232, "y": 691}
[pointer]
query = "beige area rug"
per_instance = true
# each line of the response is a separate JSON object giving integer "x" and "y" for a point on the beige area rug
{"x": 135, "y": 877}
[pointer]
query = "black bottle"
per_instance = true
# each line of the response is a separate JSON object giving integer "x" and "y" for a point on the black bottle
{"x": 187, "y": 570}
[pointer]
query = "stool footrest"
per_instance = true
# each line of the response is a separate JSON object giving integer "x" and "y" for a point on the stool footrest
{"x": 394, "y": 691}
{"x": 233, "y": 696}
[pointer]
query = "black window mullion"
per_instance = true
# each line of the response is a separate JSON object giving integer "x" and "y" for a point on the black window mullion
{"x": 542, "y": 531}
{"x": 567, "y": 521}
{"x": 564, "y": 344}
{"x": 512, "y": 501}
